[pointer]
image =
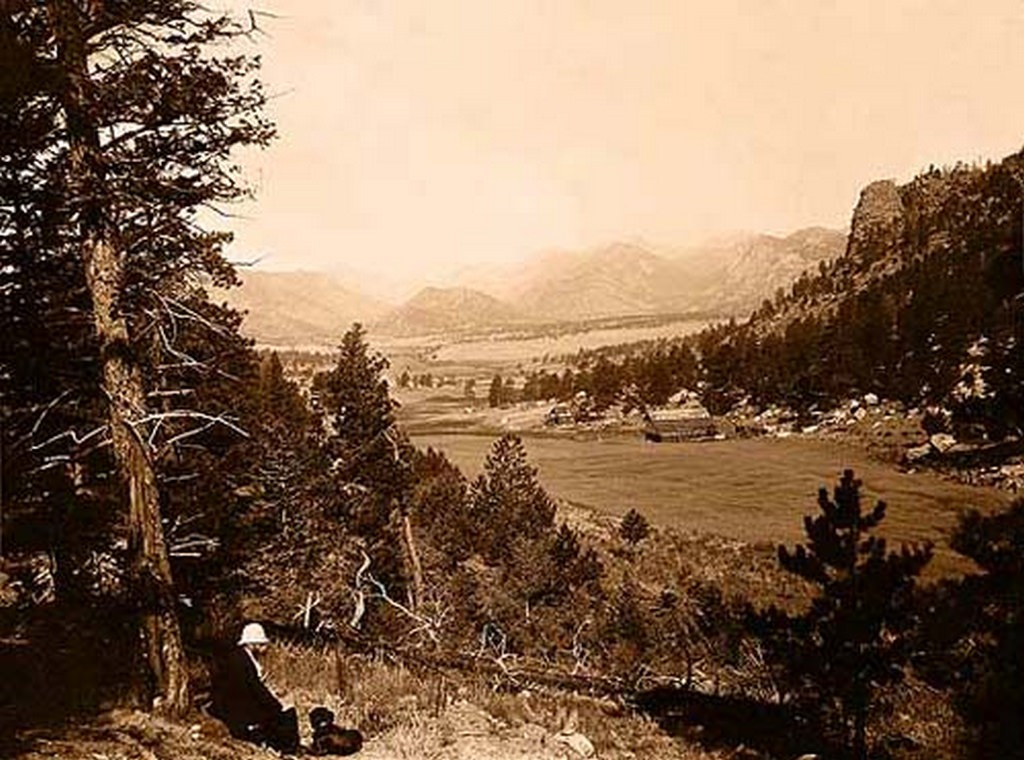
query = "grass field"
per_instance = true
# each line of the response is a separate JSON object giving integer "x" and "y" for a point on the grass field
{"x": 751, "y": 489}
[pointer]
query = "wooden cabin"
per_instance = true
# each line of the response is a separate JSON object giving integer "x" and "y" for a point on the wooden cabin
{"x": 689, "y": 422}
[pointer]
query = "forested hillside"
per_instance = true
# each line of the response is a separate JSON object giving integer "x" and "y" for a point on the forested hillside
{"x": 925, "y": 307}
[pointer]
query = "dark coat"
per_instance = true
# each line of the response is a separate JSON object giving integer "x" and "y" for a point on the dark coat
{"x": 240, "y": 698}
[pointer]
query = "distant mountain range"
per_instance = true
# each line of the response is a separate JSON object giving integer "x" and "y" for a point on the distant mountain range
{"x": 298, "y": 308}
{"x": 728, "y": 278}
{"x": 439, "y": 310}
{"x": 622, "y": 279}
{"x": 753, "y": 268}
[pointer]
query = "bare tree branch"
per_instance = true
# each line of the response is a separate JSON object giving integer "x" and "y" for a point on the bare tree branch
{"x": 73, "y": 435}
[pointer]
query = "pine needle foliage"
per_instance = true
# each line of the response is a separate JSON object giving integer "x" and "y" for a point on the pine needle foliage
{"x": 853, "y": 638}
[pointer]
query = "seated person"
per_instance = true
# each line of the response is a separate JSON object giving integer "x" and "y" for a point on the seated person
{"x": 245, "y": 704}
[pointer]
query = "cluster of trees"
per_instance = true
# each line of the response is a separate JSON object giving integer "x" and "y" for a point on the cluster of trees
{"x": 869, "y": 624}
{"x": 640, "y": 376}
{"x": 424, "y": 380}
{"x": 853, "y": 639}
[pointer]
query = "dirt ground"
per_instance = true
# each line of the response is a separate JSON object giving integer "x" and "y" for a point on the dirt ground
{"x": 462, "y": 732}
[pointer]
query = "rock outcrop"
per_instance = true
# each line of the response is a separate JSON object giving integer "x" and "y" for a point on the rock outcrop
{"x": 877, "y": 225}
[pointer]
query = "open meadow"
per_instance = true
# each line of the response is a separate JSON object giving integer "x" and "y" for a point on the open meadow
{"x": 530, "y": 344}
{"x": 750, "y": 489}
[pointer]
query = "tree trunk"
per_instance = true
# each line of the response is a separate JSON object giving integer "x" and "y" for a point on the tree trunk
{"x": 122, "y": 383}
{"x": 860, "y": 749}
{"x": 415, "y": 567}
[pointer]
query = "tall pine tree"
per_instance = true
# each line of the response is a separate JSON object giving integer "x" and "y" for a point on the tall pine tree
{"x": 117, "y": 124}
{"x": 507, "y": 502}
{"x": 853, "y": 638}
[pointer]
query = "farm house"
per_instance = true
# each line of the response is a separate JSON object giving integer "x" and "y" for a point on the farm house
{"x": 688, "y": 422}
{"x": 559, "y": 414}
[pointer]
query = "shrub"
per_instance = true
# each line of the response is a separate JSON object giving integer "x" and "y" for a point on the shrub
{"x": 634, "y": 527}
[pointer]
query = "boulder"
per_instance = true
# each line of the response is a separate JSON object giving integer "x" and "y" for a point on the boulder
{"x": 942, "y": 442}
{"x": 578, "y": 743}
{"x": 917, "y": 453}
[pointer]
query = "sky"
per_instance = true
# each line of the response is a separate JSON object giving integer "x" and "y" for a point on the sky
{"x": 419, "y": 138}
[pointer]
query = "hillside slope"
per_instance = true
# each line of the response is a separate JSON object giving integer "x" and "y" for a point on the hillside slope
{"x": 755, "y": 267}
{"x": 441, "y": 310}
{"x": 925, "y": 306}
{"x": 298, "y": 308}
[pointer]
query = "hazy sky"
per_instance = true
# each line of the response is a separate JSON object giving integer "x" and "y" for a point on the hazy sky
{"x": 418, "y": 137}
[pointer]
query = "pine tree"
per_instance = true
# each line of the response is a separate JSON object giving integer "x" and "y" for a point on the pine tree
{"x": 507, "y": 501}
{"x": 853, "y": 638}
{"x": 355, "y": 393}
{"x": 496, "y": 392}
{"x": 373, "y": 458}
{"x": 117, "y": 124}
{"x": 989, "y": 614}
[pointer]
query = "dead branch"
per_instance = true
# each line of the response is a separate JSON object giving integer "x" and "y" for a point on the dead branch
{"x": 579, "y": 651}
{"x": 46, "y": 410}
{"x": 424, "y": 624}
{"x": 358, "y": 594}
{"x": 305, "y": 612}
{"x": 72, "y": 434}
{"x": 248, "y": 262}
{"x": 171, "y": 393}
{"x": 394, "y": 445}
{"x": 193, "y": 545}
{"x": 184, "y": 360}
{"x": 186, "y": 414}
{"x": 184, "y": 312}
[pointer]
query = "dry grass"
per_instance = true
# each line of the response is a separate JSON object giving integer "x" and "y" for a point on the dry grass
{"x": 418, "y": 714}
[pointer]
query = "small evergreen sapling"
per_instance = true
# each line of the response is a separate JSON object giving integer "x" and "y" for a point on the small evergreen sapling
{"x": 853, "y": 639}
{"x": 634, "y": 527}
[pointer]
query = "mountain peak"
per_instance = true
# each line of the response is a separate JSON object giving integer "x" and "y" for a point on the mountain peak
{"x": 436, "y": 309}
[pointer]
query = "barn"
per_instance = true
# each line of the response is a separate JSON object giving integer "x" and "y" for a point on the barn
{"x": 689, "y": 422}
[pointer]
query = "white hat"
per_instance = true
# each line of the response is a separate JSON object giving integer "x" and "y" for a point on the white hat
{"x": 253, "y": 633}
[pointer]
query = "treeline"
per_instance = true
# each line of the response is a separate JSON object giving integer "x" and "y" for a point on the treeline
{"x": 646, "y": 377}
